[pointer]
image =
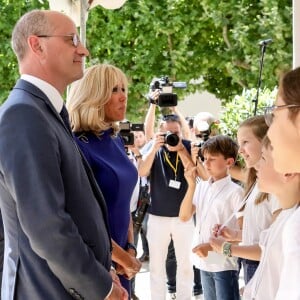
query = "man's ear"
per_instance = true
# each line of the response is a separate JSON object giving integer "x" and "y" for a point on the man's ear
{"x": 34, "y": 44}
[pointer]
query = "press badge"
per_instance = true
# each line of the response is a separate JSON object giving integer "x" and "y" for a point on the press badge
{"x": 174, "y": 184}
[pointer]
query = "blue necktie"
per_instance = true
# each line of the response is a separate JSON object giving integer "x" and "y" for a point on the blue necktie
{"x": 65, "y": 117}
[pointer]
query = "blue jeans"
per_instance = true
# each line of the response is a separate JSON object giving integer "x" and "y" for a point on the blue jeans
{"x": 220, "y": 285}
{"x": 249, "y": 267}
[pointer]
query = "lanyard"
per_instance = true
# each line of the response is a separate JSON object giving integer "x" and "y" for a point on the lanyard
{"x": 174, "y": 168}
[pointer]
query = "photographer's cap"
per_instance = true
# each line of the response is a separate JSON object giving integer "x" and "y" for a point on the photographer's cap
{"x": 203, "y": 121}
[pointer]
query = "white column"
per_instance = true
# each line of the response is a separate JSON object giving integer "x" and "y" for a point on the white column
{"x": 296, "y": 33}
{"x": 83, "y": 17}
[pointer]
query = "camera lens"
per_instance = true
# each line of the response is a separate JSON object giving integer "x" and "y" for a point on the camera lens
{"x": 172, "y": 139}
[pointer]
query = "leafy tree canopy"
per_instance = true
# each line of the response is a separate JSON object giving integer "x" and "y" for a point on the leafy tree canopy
{"x": 212, "y": 40}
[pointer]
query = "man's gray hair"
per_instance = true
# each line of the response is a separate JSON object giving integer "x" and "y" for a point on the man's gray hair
{"x": 34, "y": 22}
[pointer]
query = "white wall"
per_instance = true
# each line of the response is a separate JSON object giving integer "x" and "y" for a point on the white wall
{"x": 197, "y": 102}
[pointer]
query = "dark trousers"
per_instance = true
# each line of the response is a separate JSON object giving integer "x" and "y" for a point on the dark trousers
{"x": 143, "y": 234}
{"x": 197, "y": 289}
{"x": 171, "y": 268}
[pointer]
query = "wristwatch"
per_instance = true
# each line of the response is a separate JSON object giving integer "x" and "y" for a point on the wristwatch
{"x": 131, "y": 246}
{"x": 226, "y": 249}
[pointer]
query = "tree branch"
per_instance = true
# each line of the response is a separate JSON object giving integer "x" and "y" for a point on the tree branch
{"x": 225, "y": 37}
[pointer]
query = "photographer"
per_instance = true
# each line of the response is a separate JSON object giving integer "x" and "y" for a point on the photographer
{"x": 165, "y": 162}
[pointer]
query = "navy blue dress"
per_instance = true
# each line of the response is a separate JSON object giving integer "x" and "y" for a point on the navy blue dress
{"x": 116, "y": 175}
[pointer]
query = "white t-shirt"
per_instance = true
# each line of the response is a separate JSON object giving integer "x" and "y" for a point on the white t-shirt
{"x": 290, "y": 274}
{"x": 257, "y": 217}
{"x": 264, "y": 284}
{"x": 215, "y": 202}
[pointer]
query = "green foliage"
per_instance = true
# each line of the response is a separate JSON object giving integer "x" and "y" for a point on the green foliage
{"x": 193, "y": 39}
{"x": 10, "y": 12}
{"x": 185, "y": 40}
{"x": 242, "y": 107}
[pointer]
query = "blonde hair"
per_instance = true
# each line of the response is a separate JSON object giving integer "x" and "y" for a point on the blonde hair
{"x": 259, "y": 128}
{"x": 35, "y": 22}
{"x": 88, "y": 96}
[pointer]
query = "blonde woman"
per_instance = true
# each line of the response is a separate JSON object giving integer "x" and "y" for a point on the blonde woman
{"x": 96, "y": 104}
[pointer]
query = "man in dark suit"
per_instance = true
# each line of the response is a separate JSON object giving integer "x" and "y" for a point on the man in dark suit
{"x": 57, "y": 242}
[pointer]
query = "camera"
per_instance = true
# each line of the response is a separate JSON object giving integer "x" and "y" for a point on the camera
{"x": 143, "y": 204}
{"x": 126, "y": 129}
{"x": 172, "y": 139}
{"x": 166, "y": 97}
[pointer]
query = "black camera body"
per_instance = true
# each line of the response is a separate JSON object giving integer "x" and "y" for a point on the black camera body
{"x": 126, "y": 133}
{"x": 172, "y": 139}
{"x": 166, "y": 97}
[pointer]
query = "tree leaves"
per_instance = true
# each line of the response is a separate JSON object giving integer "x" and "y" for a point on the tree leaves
{"x": 209, "y": 39}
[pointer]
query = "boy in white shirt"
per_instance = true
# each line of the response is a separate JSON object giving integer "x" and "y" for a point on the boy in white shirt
{"x": 215, "y": 202}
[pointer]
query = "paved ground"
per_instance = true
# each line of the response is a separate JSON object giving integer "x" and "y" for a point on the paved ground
{"x": 142, "y": 280}
{"x": 142, "y": 283}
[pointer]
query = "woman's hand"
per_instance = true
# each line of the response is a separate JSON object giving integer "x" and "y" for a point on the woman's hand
{"x": 129, "y": 266}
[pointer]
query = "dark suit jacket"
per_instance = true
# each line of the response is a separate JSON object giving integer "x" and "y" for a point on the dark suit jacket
{"x": 57, "y": 244}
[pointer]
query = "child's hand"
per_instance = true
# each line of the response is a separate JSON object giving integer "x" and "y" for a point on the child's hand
{"x": 227, "y": 233}
{"x": 216, "y": 230}
{"x": 217, "y": 244}
{"x": 202, "y": 249}
{"x": 190, "y": 174}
